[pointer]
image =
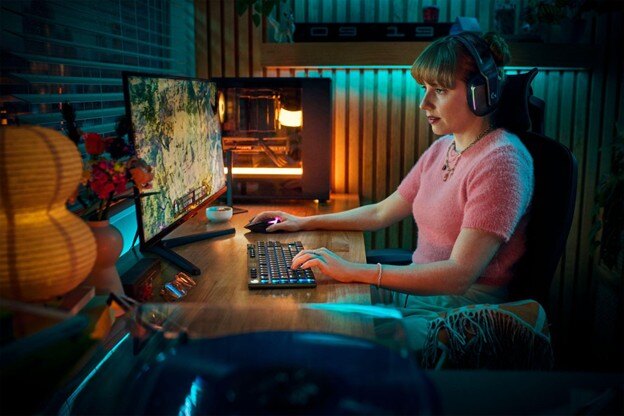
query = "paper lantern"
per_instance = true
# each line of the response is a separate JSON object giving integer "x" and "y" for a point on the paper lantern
{"x": 45, "y": 250}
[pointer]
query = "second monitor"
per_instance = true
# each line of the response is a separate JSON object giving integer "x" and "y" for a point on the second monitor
{"x": 278, "y": 131}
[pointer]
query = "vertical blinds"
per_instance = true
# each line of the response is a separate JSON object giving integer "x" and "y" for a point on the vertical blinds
{"x": 74, "y": 51}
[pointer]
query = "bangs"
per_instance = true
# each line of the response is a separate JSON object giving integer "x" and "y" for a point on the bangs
{"x": 437, "y": 64}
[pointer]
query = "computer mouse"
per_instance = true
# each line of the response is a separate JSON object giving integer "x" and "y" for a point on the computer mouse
{"x": 261, "y": 226}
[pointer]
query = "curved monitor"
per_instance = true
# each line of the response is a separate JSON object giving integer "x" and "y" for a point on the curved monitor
{"x": 175, "y": 129}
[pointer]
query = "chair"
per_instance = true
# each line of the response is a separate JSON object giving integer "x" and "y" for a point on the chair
{"x": 552, "y": 205}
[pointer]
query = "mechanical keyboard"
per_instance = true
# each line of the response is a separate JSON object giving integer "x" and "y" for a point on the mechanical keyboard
{"x": 268, "y": 266}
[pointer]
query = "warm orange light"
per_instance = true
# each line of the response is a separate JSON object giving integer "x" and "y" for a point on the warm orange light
{"x": 290, "y": 118}
{"x": 266, "y": 171}
{"x": 45, "y": 250}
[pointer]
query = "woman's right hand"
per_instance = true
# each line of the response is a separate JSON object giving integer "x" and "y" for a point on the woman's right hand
{"x": 288, "y": 222}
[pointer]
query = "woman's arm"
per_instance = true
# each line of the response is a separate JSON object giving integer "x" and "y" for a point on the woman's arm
{"x": 368, "y": 217}
{"x": 472, "y": 252}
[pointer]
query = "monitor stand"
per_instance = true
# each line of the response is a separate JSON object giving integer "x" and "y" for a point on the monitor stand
{"x": 164, "y": 249}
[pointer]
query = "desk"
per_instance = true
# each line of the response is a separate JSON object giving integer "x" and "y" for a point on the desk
{"x": 222, "y": 304}
{"x": 222, "y": 296}
{"x": 223, "y": 260}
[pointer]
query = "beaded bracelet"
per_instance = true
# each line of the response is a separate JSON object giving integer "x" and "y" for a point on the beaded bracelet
{"x": 379, "y": 270}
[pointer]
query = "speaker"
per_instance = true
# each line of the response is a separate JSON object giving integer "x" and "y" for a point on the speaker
{"x": 483, "y": 88}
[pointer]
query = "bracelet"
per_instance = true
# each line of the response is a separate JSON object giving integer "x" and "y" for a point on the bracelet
{"x": 379, "y": 270}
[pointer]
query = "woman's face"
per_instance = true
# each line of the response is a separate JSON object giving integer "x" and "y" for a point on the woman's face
{"x": 447, "y": 109}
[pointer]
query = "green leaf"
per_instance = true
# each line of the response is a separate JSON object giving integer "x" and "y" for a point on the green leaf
{"x": 256, "y": 19}
{"x": 242, "y": 6}
{"x": 267, "y": 6}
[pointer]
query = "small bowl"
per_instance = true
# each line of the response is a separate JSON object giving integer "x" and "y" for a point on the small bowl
{"x": 219, "y": 214}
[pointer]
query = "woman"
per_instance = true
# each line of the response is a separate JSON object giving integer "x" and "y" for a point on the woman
{"x": 468, "y": 193}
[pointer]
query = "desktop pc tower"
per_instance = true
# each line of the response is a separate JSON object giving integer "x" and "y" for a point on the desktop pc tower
{"x": 277, "y": 132}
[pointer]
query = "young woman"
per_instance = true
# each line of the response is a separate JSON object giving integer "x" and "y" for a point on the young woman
{"x": 468, "y": 193}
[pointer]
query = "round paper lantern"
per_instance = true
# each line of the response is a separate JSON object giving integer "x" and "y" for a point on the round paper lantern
{"x": 45, "y": 250}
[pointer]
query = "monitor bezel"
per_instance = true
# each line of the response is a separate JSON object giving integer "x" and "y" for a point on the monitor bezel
{"x": 137, "y": 198}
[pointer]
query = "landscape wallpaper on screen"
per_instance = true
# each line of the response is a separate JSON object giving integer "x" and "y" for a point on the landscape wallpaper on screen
{"x": 177, "y": 133}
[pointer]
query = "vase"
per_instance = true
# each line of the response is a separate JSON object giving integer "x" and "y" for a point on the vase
{"x": 104, "y": 276}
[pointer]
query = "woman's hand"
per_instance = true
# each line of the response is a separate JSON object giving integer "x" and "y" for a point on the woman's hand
{"x": 329, "y": 263}
{"x": 288, "y": 222}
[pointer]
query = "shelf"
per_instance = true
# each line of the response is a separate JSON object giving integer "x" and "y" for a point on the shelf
{"x": 379, "y": 54}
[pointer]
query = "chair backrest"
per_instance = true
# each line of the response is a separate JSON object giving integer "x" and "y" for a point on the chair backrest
{"x": 550, "y": 216}
{"x": 554, "y": 197}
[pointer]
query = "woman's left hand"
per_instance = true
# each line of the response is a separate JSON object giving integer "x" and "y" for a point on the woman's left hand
{"x": 329, "y": 263}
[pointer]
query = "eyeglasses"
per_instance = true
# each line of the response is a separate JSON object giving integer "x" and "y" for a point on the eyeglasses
{"x": 178, "y": 287}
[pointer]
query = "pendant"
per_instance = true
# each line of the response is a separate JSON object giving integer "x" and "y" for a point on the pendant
{"x": 445, "y": 176}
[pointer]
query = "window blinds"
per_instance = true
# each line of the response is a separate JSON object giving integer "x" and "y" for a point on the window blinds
{"x": 74, "y": 51}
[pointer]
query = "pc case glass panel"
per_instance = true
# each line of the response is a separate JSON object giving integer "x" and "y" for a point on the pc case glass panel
{"x": 263, "y": 128}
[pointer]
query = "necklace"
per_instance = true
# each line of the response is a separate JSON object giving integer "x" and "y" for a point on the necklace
{"x": 451, "y": 161}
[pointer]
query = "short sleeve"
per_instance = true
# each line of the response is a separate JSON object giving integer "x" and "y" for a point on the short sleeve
{"x": 408, "y": 188}
{"x": 499, "y": 192}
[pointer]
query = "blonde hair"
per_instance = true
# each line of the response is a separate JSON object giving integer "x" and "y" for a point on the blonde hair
{"x": 447, "y": 59}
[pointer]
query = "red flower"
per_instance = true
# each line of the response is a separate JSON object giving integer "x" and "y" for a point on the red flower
{"x": 94, "y": 143}
{"x": 101, "y": 179}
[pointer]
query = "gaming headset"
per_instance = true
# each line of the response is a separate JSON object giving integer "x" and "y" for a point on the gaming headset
{"x": 483, "y": 89}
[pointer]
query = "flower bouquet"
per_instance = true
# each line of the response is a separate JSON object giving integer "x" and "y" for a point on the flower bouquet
{"x": 110, "y": 169}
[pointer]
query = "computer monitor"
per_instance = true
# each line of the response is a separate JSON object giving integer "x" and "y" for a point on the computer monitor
{"x": 175, "y": 129}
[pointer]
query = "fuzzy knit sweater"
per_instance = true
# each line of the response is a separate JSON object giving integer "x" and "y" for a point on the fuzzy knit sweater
{"x": 490, "y": 190}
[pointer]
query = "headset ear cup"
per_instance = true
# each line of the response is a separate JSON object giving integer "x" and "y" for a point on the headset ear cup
{"x": 476, "y": 94}
{"x": 483, "y": 89}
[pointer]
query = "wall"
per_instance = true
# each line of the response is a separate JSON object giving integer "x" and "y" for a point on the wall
{"x": 379, "y": 132}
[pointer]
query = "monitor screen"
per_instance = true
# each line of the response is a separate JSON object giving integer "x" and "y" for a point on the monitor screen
{"x": 175, "y": 129}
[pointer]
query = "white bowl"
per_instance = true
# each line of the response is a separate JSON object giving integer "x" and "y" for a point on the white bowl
{"x": 219, "y": 214}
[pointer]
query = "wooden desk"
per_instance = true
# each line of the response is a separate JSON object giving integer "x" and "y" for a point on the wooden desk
{"x": 223, "y": 260}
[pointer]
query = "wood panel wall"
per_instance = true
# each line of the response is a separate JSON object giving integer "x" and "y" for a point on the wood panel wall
{"x": 379, "y": 131}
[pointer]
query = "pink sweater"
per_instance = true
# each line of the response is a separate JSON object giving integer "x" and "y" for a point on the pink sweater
{"x": 490, "y": 190}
